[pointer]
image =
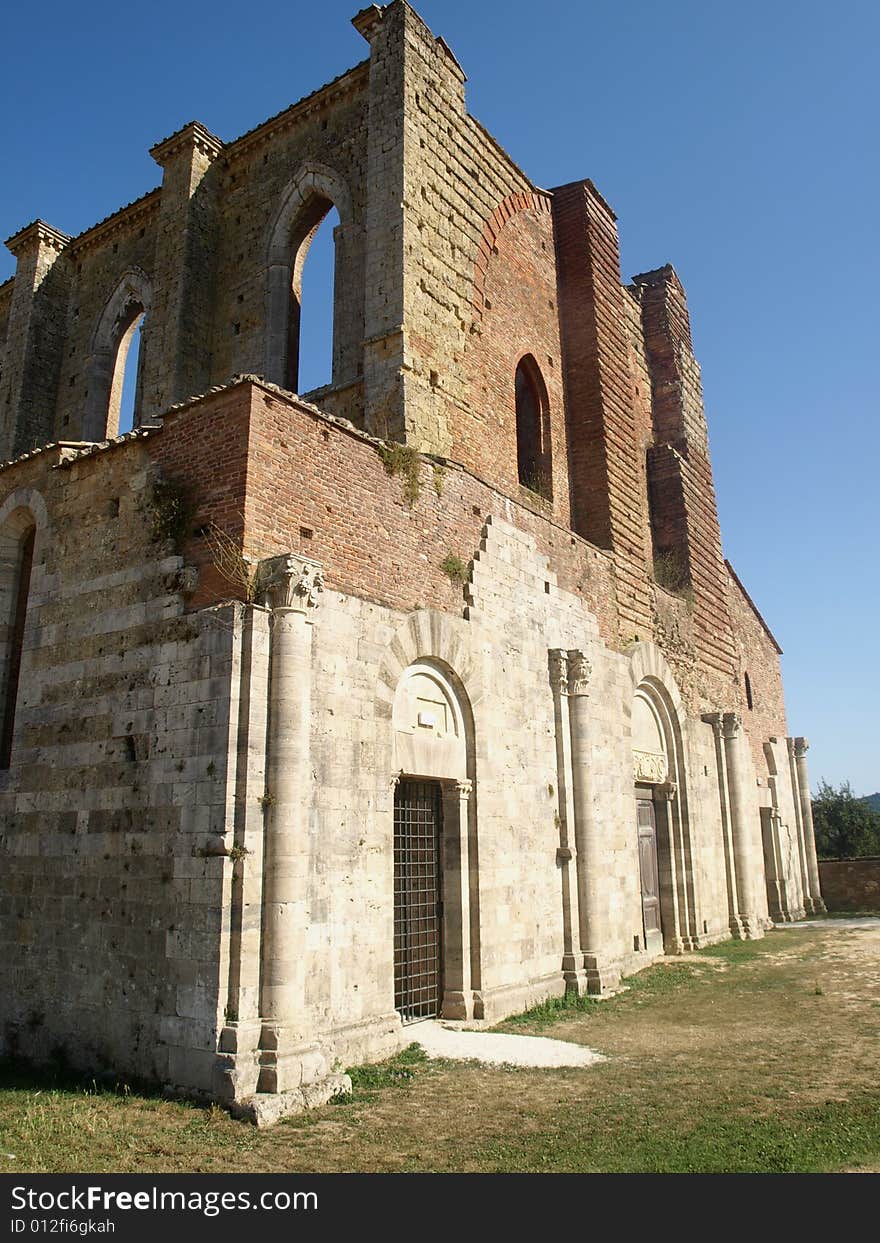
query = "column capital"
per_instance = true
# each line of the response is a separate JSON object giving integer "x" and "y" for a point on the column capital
{"x": 464, "y": 788}
{"x": 558, "y": 663}
{"x": 667, "y": 790}
{"x": 713, "y": 719}
{"x": 579, "y": 673}
{"x": 290, "y": 582}
{"x": 801, "y": 747}
{"x": 731, "y": 724}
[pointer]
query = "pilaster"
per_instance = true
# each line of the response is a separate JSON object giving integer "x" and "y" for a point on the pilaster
{"x": 34, "y": 339}
{"x": 178, "y": 364}
{"x": 573, "y": 972}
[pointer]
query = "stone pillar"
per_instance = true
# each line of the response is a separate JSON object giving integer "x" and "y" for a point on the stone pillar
{"x": 458, "y": 997}
{"x": 813, "y": 903}
{"x": 586, "y": 829}
{"x": 290, "y": 585}
{"x": 34, "y": 338}
{"x": 747, "y": 923}
{"x": 178, "y": 363}
{"x": 566, "y": 856}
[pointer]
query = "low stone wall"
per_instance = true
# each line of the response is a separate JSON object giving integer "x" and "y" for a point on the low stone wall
{"x": 851, "y": 884}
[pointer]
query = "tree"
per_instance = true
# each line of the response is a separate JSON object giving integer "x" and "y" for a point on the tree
{"x": 846, "y": 826}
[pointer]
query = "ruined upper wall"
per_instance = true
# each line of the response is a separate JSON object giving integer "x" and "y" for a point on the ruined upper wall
{"x": 761, "y": 698}
{"x": 451, "y": 268}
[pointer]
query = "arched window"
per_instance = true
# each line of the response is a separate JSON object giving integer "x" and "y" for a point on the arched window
{"x": 307, "y": 346}
{"x": 312, "y": 308}
{"x": 16, "y": 562}
{"x": 125, "y": 386}
{"x": 533, "y": 454}
{"x": 114, "y": 394}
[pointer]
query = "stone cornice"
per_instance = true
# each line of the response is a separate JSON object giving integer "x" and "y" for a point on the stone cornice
{"x": 353, "y": 79}
{"x": 367, "y": 21}
{"x": 118, "y": 222}
{"x": 189, "y": 136}
{"x": 33, "y": 234}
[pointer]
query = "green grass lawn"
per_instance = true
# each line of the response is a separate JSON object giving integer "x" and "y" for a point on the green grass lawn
{"x": 756, "y": 1056}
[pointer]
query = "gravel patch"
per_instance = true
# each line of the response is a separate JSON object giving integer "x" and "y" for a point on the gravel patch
{"x": 494, "y": 1049}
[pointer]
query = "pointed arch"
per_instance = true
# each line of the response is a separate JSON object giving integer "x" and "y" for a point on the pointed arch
{"x": 533, "y": 449}
{"x": 308, "y": 198}
{"x": 124, "y": 312}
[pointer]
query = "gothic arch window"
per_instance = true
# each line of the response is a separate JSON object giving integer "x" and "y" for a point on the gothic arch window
{"x": 533, "y": 452}
{"x": 306, "y": 208}
{"x": 17, "y": 539}
{"x": 115, "y": 366}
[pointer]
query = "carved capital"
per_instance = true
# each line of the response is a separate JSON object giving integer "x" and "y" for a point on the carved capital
{"x": 731, "y": 725}
{"x": 801, "y": 747}
{"x": 579, "y": 673}
{"x": 558, "y": 662}
{"x": 291, "y": 582}
{"x": 667, "y": 790}
{"x": 713, "y": 719}
{"x": 464, "y": 789}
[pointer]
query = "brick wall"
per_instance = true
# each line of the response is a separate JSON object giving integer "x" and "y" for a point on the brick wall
{"x": 850, "y": 884}
{"x": 758, "y": 655}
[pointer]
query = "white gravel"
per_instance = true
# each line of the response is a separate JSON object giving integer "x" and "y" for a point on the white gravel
{"x": 439, "y": 1040}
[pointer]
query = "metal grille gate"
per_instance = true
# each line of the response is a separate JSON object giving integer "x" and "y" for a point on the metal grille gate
{"x": 417, "y": 900}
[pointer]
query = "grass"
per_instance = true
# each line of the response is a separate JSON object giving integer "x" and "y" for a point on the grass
{"x": 748, "y": 1056}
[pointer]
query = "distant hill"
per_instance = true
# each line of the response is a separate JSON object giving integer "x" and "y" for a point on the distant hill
{"x": 873, "y": 801}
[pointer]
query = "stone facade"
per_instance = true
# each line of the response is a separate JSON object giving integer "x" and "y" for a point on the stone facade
{"x": 483, "y": 563}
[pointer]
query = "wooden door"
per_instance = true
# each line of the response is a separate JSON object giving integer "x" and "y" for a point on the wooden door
{"x": 650, "y": 880}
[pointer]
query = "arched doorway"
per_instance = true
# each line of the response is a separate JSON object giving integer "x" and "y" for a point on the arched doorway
{"x": 432, "y": 857}
{"x": 665, "y": 860}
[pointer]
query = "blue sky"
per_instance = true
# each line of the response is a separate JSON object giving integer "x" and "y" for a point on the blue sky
{"x": 738, "y": 142}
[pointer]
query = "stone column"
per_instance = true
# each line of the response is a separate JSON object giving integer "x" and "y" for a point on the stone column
{"x": 813, "y": 903}
{"x": 733, "y": 920}
{"x": 747, "y": 924}
{"x": 290, "y": 585}
{"x": 586, "y": 830}
{"x": 566, "y": 856}
{"x": 458, "y": 997}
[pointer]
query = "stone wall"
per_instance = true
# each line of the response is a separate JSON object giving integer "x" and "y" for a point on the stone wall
{"x": 113, "y": 898}
{"x": 850, "y": 884}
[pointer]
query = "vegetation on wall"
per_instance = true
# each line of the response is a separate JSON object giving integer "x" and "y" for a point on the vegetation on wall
{"x": 406, "y": 461}
{"x": 846, "y": 827}
{"x": 455, "y": 569}
{"x": 172, "y": 509}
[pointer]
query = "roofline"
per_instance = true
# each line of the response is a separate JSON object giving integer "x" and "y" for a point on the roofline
{"x": 753, "y": 606}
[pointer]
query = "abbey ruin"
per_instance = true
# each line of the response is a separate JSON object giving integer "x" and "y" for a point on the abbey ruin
{"x": 428, "y": 692}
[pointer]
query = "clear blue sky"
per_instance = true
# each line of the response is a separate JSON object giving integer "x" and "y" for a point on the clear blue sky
{"x": 738, "y": 142}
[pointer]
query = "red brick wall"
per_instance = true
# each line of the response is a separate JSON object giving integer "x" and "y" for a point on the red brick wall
{"x": 757, "y": 655}
{"x": 607, "y": 475}
{"x": 516, "y": 314}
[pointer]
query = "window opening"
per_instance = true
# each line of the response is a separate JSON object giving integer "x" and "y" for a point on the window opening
{"x": 16, "y": 642}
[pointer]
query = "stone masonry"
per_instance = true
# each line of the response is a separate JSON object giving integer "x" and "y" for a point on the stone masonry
{"x": 475, "y": 583}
